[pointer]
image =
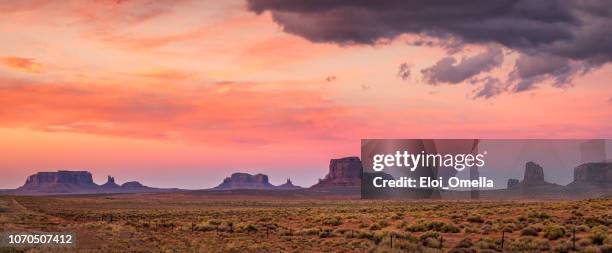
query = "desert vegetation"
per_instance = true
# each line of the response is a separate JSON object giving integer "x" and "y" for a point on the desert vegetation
{"x": 186, "y": 223}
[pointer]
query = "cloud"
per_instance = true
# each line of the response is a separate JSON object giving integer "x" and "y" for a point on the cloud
{"x": 22, "y": 64}
{"x": 448, "y": 70}
{"x": 404, "y": 71}
{"x": 228, "y": 113}
{"x": 579, "y": 33}
{"x": 490, "y": 87}
{"x": 531, "y": 69}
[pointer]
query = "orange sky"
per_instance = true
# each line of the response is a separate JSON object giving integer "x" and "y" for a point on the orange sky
{"x": 184, "y": 94}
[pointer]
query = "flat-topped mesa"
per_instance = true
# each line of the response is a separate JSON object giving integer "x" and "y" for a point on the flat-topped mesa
{"x": 343, "y": 172}
{"x": 81, "y": 178}
{"x": 133, "y": 184}
{"x": 59, "y": 182}
{"x": 593, "y": 175}
{"x": 245, "y": 181}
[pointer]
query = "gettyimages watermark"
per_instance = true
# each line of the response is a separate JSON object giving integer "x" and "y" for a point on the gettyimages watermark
{"x": 455, "y": 168}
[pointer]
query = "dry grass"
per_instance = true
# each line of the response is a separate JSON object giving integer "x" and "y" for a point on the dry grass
{"x": 183, "y": 223}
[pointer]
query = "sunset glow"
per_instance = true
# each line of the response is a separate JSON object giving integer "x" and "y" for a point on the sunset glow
{"x": 183, "y": 93}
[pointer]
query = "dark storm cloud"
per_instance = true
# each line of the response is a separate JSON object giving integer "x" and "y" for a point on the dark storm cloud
{"x": 448, "y": 70}
{"x": 531, "y": 69}
{"x": 576, "y": 32}
{"x": 364, "y": 21}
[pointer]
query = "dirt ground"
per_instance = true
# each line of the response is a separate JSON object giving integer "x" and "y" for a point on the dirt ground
{"x": 189, "y": 223}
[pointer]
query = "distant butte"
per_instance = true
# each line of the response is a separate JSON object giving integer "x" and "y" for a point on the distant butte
{"x": 76, "y": 182}
{"x": 343, "y": 172}
{"x": 248, "y": 181}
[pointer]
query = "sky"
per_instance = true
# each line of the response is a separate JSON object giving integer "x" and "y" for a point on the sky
{"x": 184, "y": 93}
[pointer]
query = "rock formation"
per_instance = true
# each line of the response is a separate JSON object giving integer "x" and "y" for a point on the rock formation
{"x": 533, "y": 184}
{"x": 534, "y": 174}
{"x": 133, "y": 184}
{"x": 288, "y": 185}
{"x": 58, "y": 182}
{"x": 593, "y": 175}
{"x": 512, "y": 183}
{"x": 82, "y": 178}
{"x": 110, "y": 183}
{"x": 343, "y": 172}
{"x": 245, "y": 181}
{"x": 76, "y": 182}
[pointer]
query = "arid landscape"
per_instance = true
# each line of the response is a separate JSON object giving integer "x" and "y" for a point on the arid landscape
{"x": 200, "y": 222}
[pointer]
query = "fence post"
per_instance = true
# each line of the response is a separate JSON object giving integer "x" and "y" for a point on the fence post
{"x": 502, "y": 241}
{"x": 441, "y": 241}
{"x": 391, "y": 240}
{"x": 574, "y": 238}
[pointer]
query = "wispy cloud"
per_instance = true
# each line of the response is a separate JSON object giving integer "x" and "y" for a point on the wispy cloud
{"x": 229, "y": 113}
{"x": 22, "y": 64}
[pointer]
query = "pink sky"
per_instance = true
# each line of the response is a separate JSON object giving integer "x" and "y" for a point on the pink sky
{"x": 184, "y": 94}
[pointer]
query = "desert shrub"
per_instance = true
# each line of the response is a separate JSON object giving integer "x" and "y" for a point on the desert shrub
{"x": 432, "y": 242}
{"x": 475, "y": 219}
{"x": 591, "y": 249}
{"x": 606, "y": 248}
{"x": 583, "y": 228}
{"x": 472, "y": 230}
{"x": 538, "y": 226}
{"x": 417, "y": 228}
{"x": 375, "y": 226}
{"x": 214, "y": 222}
{"x": 309, "y": 231}
{"x": 449, "y": 228}
{"x": 563, "y": 247}
{"x": 598, "y": 235}
{"x": 383, "y": 223}
{"x": 429, "y": 234}
{"x": 538, "y": 215}
{"x": 464, "y": 243}
{"x": 486, "y": 243}
{"x": 434, "y": 225}
{"x": 332, "y": 221}
{"x": 398, "y": 216}
{"x": 584, "y": 242}
{"x": 529, "y": 231}
{"x": 487, "y": 230}
{"x": 402, "y": 225}
{"x": 205, "y": 227}
{"x": 365, "y": 235}
{"x": 249, "y": 228}
{"x": 398, "y": 246}
{"x": 554, "y": 232}
{"x": 462, "y": 250}
{"x": 325, "y": 233}
{"x": 597, "y": 221}
{"x": 509, "y": 228}
{"x": 528, "y": 244}
{"x": 285, "y": 232}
